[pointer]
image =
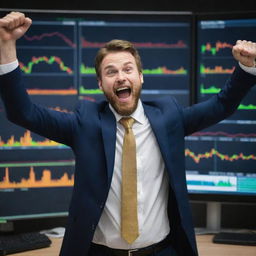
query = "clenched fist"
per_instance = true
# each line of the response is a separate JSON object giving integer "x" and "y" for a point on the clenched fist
{"x": 245, "y": 52}
{"x": 13, "y": 26}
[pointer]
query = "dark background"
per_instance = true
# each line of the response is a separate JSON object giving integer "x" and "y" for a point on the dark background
{"x": 234, "y": 215}
{"x": 197, "y": 6}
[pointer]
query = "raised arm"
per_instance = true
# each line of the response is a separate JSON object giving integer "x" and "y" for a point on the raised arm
{"x": 57, "y": 126}
{"x": 13, "y": 26}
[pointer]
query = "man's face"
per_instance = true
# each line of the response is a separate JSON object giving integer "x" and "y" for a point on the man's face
{"x": 121, "y": 81}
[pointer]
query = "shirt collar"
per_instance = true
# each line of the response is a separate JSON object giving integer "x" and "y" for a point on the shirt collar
{"x": 138, "y": 114}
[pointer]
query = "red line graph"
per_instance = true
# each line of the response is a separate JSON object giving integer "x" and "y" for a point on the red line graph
{"x": 45, "y": 35}
{"x": 224, "y": 157}
{"x": 87, "y": 98}
{"x": 179, "y": 44}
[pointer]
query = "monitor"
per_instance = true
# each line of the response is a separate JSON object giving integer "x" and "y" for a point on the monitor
{"x": 56, "y": 57}
{"x": 221, "y": 160}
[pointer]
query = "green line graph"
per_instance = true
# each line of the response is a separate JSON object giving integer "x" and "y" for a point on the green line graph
{"x": 211, "y": 90}
{"x": 83, "y": 90}
{"x": 51, "y": 60}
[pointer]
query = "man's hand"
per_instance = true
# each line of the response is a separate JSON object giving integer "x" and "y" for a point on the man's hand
{"x": 13, "y": 26}
{"x": 245, "y": 52}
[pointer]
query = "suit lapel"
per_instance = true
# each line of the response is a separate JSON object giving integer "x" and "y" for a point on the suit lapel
{"x": 157, "y": 123}
{"x": 108, "y": 127}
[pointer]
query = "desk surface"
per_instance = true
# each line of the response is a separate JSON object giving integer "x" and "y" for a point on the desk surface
{"x": 205, "y": 247}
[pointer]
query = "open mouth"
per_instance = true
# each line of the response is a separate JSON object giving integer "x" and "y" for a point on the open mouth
{"x": 123, "y": 93}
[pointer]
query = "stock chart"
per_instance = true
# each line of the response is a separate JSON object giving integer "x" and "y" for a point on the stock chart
{"x": 41, "y": 184}
{"x": 164, "y": 48}
{"x": 47, "y": 57}
{"x": 222, "y": 158}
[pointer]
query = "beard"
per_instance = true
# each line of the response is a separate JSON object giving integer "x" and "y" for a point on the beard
{"x": 124, "y": 109}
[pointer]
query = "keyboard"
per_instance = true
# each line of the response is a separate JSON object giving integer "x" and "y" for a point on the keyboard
{"x": 235, "y": 238}
{"x": 23, "y": 242}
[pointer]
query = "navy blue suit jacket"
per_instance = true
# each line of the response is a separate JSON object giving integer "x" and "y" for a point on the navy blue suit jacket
{"x": 91, "y": 133}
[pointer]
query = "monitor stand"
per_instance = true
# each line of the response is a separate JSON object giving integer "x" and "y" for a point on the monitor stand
{"x": 213, "y": 217}
{"x": 213, "y": 226}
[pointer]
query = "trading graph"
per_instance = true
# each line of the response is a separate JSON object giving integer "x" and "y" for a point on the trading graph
{"x": 215, "y": 70}
{"x": 50, "y": 32}
{"x": 26, "y": 140}
{"x": 48, "y": 60}
{"x": 165, "y": 57}
{"x": 16, "y": 137}
{"x": 215, "y": 41}
{"x": 178, "y": 44}
{"x": 215, "y": 48}
{"x": 222, "y": 158}
{"x": 47, "y": 56}
{"x": 38, "y": 183}
{"x": 212, "y": 156}
{"x": 26, "y": 175}
{"x": 212, "y": 182}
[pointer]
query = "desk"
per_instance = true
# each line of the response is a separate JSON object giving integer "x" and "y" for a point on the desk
{"x": 205, "y": 248}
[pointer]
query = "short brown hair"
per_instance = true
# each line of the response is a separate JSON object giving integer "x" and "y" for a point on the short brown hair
{"x": 116, "y": 46}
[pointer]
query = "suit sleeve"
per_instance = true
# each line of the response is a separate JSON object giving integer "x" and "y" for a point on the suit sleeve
{"x": 221, "y": 105}
{"x": 22, "y": 111}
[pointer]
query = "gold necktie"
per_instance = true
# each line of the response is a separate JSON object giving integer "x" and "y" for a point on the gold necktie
{"x": 129, "y": 218}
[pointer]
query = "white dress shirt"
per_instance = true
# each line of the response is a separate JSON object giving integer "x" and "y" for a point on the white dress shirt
{"x": 6, "y": 68}
{"x": 152, "y": 188}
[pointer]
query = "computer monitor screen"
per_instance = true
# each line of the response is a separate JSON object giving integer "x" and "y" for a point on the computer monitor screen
{"x": 221, "y": 160}
{"x": 162, "y": 42}
{"x": 56, "y": 57}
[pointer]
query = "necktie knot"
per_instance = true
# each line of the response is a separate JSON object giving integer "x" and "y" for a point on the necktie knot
{"x": 127, "y": 122}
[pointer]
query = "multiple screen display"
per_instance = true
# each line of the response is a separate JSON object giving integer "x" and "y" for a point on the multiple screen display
{"x": 57, "y": 61}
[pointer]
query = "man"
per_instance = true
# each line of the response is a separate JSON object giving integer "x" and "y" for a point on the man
{"x": 98, "y": 215}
